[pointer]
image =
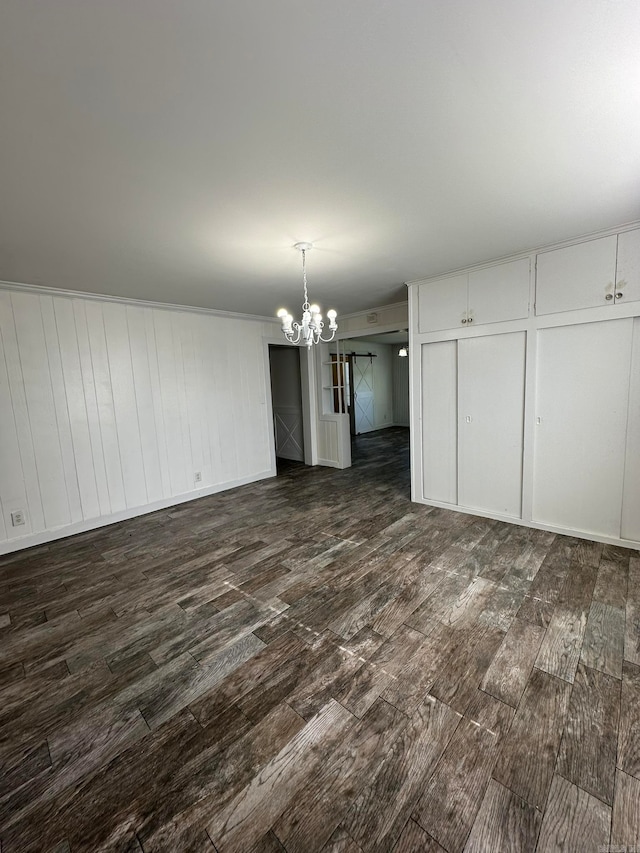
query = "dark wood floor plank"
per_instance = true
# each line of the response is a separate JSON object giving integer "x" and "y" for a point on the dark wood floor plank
{"x": 250, "y": 814}
{"x": 511, "y": 666}
{"x": 466, "y": 664}
{"x": 453, "y": 794}
{"x": 632, "y": 622}
{"x": 341, "y": 842}
{"x": 415, "y": 840}
{"x": 504, "y": 822}
{"x": 611, "y": 583}
{"x": 588, "y": 750}
{"x": 603, "y": 645}
{"x": 573, "y": 820}
{"x": 625, "y": 828}
{"x": 629, "y": 736}
{"x": 381, "y": 810}
{"x": 319, "y": 807}
{"x": 528, "y": 755}
{"x": 560, "y": 650}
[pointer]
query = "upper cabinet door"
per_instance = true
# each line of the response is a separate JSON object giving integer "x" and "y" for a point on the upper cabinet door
{"x": 580, "y": 276}
{"x": 500, "y": 293}
{"x": 628, "y": 269}
{"x": 442, "y": 304}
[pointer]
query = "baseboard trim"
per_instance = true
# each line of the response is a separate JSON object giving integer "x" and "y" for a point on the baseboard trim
{"x": 536, "y": 525}
{"x": 42, "y": 537}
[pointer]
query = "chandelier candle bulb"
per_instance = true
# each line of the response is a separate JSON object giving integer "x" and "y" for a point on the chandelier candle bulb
{"x": 309, "y": 331}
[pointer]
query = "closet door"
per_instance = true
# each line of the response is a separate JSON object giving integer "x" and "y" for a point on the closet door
{"x": 490, "y": 422}
{"x": 630, "y": 528}
{"x": 439, "y": 422}
{"x": 582, "y": 387}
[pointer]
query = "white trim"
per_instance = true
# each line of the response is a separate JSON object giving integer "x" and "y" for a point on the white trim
{"x": 373, "y": 310}
{"x": 546, "y": 247}
{"x": 126, "y": 300}
{"x": 44, "y": 536}
{"x": 536, "y": 525}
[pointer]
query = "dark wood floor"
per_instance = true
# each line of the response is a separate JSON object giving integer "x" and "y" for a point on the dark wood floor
{"x": 313, "y": 663}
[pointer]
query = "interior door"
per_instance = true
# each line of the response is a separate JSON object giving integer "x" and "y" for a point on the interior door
{"x": 490, "y": 422}
{"x": 363, "y": 394}
{"x": 582, "y": 387}
{"x": 286, "y": 395}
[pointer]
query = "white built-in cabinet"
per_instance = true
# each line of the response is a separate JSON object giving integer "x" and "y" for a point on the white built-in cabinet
{"x": 490, "y": 295}
{"x": 538, "y": 419}
{"x": 472, "y": 423}
{"x": 582, "y": 401}
{"x": 593, "y": 274}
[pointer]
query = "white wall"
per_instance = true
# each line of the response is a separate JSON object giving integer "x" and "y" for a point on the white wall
{"x": 107, "y": 410}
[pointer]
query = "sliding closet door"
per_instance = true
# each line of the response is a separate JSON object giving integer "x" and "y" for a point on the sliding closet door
{"x": 582, "y": 384}
{"x": 439, "y": 422}
{"x": 490, "y": 422}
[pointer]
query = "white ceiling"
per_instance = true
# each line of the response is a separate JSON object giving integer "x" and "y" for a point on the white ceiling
{"x": 174, "y": 151}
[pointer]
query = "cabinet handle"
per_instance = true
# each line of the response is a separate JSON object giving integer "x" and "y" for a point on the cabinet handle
{"x": 609, "y": 296}
{"x": 464, "y": 321}
{"x": 619, "y": 295}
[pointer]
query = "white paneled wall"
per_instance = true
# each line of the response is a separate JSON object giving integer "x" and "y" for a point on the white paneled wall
{"x": 400, "y": 389}
{"x": 108, "y": 409}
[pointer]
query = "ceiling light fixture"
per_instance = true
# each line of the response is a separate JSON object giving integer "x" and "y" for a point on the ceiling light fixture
{"x": 309, "y": 331}
{"x": 402, "y": 352}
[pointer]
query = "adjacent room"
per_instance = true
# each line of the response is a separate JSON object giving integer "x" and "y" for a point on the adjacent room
{"x": 319, "y": 426}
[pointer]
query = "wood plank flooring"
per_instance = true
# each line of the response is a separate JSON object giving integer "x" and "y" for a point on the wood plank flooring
{"x": 314, "y": 663}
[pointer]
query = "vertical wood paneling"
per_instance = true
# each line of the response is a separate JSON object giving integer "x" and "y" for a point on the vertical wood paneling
{"x": 54, "y": 358}
{"x": 12, "y": 492}
{"x": 77, "y": 411}
{"x": 40, "y": 409}
{"x": 168, "y": 375}
{"x": 35, "y": 520}
{"x": 106, "y": 407}
{"x": 149, "y": 441}
{"x": 156, "y": 396}
{"x": 125, "y": 407}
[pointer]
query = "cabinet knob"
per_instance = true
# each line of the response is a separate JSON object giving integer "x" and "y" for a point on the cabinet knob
{"x": 470, "y": 320}
{"x": 609, "y": 296}
{"x": 619, "y": 295}
{"x": 463, "y": 320}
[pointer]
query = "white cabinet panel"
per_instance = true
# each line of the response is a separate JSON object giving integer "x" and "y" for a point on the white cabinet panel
{"x": 490, "y": 418}
{"x": 628, "y": 269}
{"x": 442, "y": 304}
{"x": 439, "y": 422}
{"x": 581, "y": 420}
{"x": 500, "y": 292}
{"x": 580, "y": 276}
{"x": 631, "y": 498}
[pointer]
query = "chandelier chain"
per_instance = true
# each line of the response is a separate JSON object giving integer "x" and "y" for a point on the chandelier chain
{"x": 305, "y": 304}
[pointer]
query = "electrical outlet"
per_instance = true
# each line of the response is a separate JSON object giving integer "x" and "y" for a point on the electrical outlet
{"x": 17, "y": 517}
{"x": 197, "y": 477}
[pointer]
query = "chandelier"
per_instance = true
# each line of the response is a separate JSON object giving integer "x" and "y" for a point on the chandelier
{"x": 309, "y": 331}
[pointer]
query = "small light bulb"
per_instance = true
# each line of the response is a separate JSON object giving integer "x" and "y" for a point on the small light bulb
{"x": 314, "y": 309}
{"x": 331, "y": 314}
{"x": 282, "y": 312}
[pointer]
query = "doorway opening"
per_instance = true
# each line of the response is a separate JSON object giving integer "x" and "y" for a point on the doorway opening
{"x": 286, "y": 397}
{"x": 370, "y": 381}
